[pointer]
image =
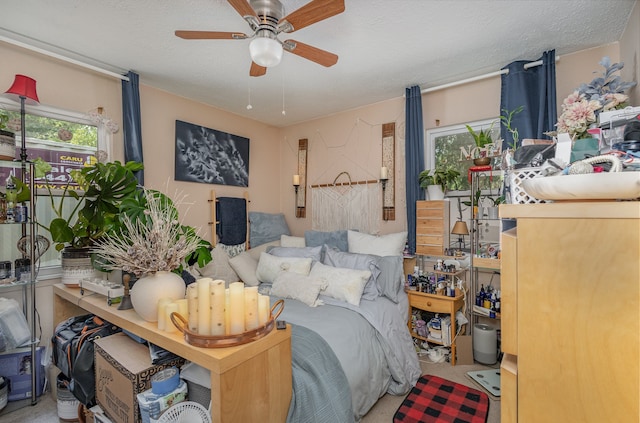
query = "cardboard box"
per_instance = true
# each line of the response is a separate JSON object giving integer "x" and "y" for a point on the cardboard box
{"x": 123, "y": 370}
{"x": 16, "y": 366}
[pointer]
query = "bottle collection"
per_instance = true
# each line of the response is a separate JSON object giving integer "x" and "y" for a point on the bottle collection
{"x": 432, "y": 283}
{"x": 489, "y": 299}
{"x": 10, "y": 210}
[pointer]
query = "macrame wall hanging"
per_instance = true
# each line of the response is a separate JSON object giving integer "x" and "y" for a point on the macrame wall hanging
{"x": 346, "y": 205}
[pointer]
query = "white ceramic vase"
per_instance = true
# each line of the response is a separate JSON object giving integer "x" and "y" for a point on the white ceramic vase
{"x": 148, "y": 290}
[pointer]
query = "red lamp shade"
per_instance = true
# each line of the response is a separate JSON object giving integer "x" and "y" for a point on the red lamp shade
{"x": 23, "y": 86}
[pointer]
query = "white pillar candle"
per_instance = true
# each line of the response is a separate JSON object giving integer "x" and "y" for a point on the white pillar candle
{"x": 227, "y": 313}
{"x": 236, "y": 306}
{"x": 162, "y": 317}
{"x": 384, "y": 172}
{"x": 296, "y": 179}
{"x": 204, "y": 310}
{"x": 192, "y": 311}
{"x": 217, "y": 302}
{"x": 183, "y": 307}
{"x": 263, "y": 309}
{"x": 170, "y": 308}
{"x": 251, "y": 307}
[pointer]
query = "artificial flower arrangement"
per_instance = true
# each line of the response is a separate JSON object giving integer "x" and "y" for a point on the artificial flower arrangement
{"x": 581, "y": 108}
{"x": 152, "y": 239}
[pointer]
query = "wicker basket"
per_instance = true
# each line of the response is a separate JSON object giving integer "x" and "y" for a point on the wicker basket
{"x": 518, "y": 193}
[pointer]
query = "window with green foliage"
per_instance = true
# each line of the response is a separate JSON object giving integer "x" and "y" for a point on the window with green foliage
{"x": 66, "y": 140}
{"x": 444, "y": 148}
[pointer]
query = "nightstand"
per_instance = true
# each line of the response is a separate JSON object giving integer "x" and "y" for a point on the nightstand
{"x": 436, "y": 304}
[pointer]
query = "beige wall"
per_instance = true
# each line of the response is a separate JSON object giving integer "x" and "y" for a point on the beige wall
{"x": 630, "y": 53}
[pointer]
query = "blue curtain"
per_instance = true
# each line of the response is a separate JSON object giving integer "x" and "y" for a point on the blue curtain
{"x": 132, "y": 127}
{"x": 414, "y": 152}
{"x": 535, "y": 89}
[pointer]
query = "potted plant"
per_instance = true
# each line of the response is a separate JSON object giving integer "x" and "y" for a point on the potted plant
{"x": 7, "y": 138}
{"x": 437, "y": 181}
{"x": 482, "y": 139}
{"x": 103, "y": 187}
{"x": 152, "y": 244}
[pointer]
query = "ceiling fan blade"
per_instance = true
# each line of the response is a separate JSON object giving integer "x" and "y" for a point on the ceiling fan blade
{"x": 308, "y": 52}
{"x": 257, "y": 70}
{"x": 210, "y": 35}
{"x": 310, "y": 13}
{"x": 242, "y": 7}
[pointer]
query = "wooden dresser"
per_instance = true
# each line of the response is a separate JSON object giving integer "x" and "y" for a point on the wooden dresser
{"x": 571, "y": 313}
{"x": 432, "y": 227}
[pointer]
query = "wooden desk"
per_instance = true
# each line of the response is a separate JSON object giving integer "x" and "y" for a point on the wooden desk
{"x": 249, "y": 383}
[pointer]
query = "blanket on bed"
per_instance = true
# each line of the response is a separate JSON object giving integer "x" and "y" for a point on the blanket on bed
{"x": 320, "y": 388}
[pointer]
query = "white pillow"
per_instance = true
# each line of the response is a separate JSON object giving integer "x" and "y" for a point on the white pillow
{"x": 292, "y": 241}
{"x": 383, "y": 245}
{"x": 342, "y": 284}
{"x": 299, "y": 287}
{"x": 269, "y": 266}
{"x": 245, "y": 266}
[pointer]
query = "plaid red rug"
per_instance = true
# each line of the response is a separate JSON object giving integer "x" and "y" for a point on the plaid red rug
{"x": 434, "y": 399}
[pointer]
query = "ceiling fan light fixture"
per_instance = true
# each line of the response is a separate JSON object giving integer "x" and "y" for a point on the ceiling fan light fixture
{"x": 265, "y": 51}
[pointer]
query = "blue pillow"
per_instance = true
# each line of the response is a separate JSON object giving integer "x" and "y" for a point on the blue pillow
{"x": 336, "y": 239}
{"x": 266, "y": 227}
{"x": 314, "y": 253}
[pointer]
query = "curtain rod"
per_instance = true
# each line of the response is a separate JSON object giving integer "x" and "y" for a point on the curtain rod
{"x": 480, "y": 77}
{"x": 63, "y": 58}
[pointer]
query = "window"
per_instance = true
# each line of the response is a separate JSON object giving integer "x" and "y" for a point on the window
{"x": 444, "y": 147}
{"x": 66, "y": 140}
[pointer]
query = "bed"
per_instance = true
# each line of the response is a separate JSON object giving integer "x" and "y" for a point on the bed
{"x": 344, "y": 298}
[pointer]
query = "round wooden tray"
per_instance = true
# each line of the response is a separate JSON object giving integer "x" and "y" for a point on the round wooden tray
{"x": 227, "y": 340}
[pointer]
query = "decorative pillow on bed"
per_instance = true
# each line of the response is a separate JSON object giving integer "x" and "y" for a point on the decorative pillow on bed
{"x": 292, "y": 241}
{"x": 383, "y": 245}
{"x": 299, "y": 287}
{"x": 314, "y": 253}
{"x": 255, "y": 252}
{"x": 337, "y": 239}
{"x": 266, "y": 227}
{"x": 359, "y": 262}
{"x": 390, "y": 281}
{"x": 269, "y": 266}
{"x": 245, "y": 266}
{"x": 342, "y": 284}
{"x": 219, "y": 267}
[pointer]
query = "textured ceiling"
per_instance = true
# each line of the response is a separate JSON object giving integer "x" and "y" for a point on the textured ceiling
{"x": 383, "y": 46}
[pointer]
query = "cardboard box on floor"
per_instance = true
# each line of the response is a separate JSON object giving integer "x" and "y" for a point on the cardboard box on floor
{"x": 123, "y": 370}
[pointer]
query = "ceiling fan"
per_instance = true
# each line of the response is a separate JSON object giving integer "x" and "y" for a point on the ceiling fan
{"x": 267, "y": 20}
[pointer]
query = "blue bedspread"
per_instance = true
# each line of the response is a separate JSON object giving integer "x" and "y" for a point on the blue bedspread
{"x": 320, "y": 388}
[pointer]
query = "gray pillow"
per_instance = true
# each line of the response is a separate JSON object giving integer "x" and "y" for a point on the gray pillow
{"x": 315, "y": 253}
{"x": 390, "y": 281}
{"x": 266, "y": 227}
{"x": 357, "y": 262}
{"x": 336, "y": 239}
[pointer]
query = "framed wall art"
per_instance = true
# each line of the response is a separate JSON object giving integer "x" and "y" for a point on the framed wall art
{"x": 210, "y": 156}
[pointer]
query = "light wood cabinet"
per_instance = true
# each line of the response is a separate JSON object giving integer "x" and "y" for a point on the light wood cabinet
{"x": 432, "y": 227}
{"x": 571, "y": 313}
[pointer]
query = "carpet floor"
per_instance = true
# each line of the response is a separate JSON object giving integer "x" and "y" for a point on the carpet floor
{"x": 45, "y": 411}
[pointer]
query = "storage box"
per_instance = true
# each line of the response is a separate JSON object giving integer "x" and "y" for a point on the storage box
{"x": 123, "y": 370}
{"x": 16, "y": 366}
{"x": 198, "y": 381}
{"x": 517, "y": 191}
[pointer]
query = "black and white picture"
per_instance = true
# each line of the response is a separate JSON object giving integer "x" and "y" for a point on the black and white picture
{"x": 210, "y": 156}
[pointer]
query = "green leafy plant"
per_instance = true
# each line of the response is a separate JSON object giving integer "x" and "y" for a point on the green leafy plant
{"x": 476, "y": 198}
{"x": 496, "y": 201}
{"x": 4, "y": 119}
{"x": 507, "y": 119}
{"x": 481, "y": 138}
{"x": 446, "y": 178}
{"x": 104, "y": 186}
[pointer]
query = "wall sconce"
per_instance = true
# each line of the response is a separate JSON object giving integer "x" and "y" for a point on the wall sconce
{"x": 384, "y": 177}
{"x": 296, "y": 186}
{"x": 460, "y": 229}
